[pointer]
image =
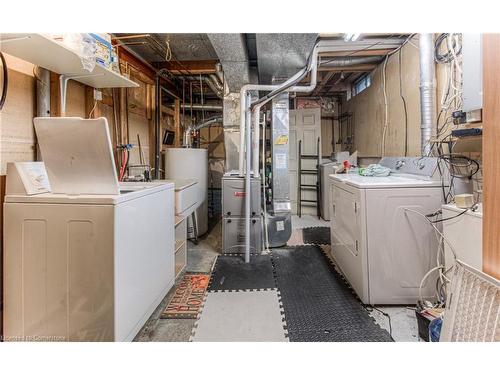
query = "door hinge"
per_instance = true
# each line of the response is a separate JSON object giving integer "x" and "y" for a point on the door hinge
{"x": 357, "y": 248}
{"x": 355, "y": 208}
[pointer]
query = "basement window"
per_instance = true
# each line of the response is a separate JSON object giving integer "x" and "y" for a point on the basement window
{"x": 361, "y": 84}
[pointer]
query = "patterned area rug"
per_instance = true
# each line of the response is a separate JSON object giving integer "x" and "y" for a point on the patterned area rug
{"x": 187, "y": 298}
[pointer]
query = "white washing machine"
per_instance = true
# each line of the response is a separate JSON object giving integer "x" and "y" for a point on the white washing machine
{"x": 85, "y": 258}
{"x": 383, "y": 250}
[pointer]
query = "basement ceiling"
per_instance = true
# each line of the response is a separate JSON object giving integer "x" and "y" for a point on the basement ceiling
{"x": 262, "y": 58}
{"x": 184, "y": 47}
{"x": 282, "y": 55}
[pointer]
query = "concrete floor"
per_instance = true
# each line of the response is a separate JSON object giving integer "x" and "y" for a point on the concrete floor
{"x": 201, "y": 258}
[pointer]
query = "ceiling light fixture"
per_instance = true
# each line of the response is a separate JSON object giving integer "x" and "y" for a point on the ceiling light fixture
{"x": 351, "y": 37}
{"x": 347, "y": 37}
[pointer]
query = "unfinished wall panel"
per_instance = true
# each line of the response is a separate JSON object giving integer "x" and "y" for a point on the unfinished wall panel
{"x": 17, "y": 135}
{"x": 139, "y": 125}
{"x": 369, "y": 108}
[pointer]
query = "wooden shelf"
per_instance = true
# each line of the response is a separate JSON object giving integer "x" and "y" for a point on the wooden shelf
{"x": 43, "y": 51}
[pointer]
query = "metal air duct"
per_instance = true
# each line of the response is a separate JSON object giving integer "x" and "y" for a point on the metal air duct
{"x": 427, "y": 93}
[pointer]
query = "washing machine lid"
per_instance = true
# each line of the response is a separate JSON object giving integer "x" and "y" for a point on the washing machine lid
{"x": 392, "y": 181}
{"x": 78, "y": 155}
{"x": 128, "y": 191}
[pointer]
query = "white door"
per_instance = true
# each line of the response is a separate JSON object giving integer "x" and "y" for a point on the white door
{"x": 305, "y": 126}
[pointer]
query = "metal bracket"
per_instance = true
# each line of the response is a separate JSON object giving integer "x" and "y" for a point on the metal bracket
{"x": 63, "y": 85}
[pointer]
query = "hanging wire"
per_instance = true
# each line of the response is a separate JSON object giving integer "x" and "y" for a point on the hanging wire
{"x": 403, "y": 100}
{"x": 168, "y": 52}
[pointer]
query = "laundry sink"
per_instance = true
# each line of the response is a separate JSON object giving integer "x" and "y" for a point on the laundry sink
{"x": 129, "y": 187}
{"x": 187, "y": 196}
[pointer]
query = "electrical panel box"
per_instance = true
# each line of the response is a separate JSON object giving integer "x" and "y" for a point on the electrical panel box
{"x": 472, "y": 72}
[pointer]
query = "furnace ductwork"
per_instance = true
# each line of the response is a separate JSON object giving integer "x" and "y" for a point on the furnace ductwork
{"x": 427, "y": 93}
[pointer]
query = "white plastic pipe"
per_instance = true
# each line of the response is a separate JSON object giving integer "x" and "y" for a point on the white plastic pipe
{"x": 255, "y": 140}
{"x": 248, "y": 182}
{"x": 245, "y": 120}
{"x": 266, "y": 234}
{"x": 312, "y": 67}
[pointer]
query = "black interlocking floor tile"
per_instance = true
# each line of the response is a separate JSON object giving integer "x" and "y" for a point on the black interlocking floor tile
{"x": 339, "y": 335}
{"x": 316, "y": 235}
{"x": 232, "y": 273}
{"x": 318, "y": 304}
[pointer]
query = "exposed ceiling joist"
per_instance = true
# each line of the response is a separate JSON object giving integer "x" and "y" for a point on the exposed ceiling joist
{"x": 324, "y": 81}
{"x": 188, "y": 67}
{"x": 367, "y": 52}
{"x": 363, "y": 45}
{"x": 353, "y": 68}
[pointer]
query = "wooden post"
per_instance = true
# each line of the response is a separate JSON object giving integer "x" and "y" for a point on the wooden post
{"x": 177, "y": 123}
{"x": 123, "y": 116}
{"x": 491, "y": 155}
{"x": 55, "y": 95}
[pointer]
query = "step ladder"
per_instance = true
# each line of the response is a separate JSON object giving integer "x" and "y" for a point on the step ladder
{"x": 309, "y": 187}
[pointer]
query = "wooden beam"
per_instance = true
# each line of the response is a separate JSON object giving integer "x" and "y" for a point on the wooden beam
{"x": 127, "y": 57}
{"x": 168, "y": 111}
{"x": 366, "y": 52}
{"x": 145, "y": 72}
{"x": 353, "y": 68}
{"x": 187, "y": 67}
{"x": 491, "y": 155}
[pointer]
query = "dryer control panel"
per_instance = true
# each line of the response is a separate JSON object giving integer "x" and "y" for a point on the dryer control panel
{"x": 419, "y": 166}
{"x": 27, "y": 178}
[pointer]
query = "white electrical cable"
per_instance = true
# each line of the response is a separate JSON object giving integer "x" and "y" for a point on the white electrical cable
{"x": 440, "y": 267}
{"x": 386, "y": 106}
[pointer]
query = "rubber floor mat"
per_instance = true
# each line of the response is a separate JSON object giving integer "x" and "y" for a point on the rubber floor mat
{"x": 316, "y": 235}
{"x": 232, "y": 273}
{"x": 318, "y": 305}
{"x": 240, "y": 316}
